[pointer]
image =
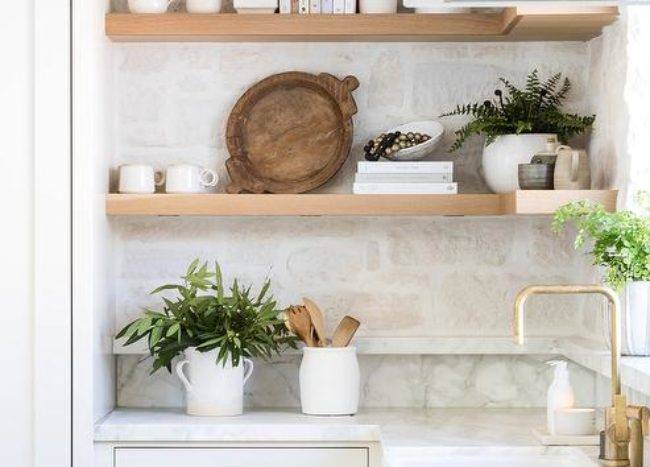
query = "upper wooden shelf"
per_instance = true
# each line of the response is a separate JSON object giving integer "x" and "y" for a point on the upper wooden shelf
{"x": 511, "y": 24}
{"x": 518, "y": 202}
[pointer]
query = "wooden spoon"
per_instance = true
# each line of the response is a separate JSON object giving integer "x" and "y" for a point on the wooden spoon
{"x": 345, "y": 331}
{"x": 317, "y": 321}
{"x": 300, "y": 323}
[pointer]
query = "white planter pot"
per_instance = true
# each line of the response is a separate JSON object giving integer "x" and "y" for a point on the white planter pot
{"x": 329, "y": 381}
{"x": 213, "y": 389}
{"x": 501, "y": 159}
{"x": 637, "y": 318}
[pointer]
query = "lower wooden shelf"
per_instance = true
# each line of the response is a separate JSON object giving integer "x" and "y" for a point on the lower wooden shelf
{"x": 516, "y": 203}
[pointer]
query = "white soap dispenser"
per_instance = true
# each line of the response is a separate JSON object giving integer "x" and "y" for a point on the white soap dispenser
{"x": 560, "y": 393}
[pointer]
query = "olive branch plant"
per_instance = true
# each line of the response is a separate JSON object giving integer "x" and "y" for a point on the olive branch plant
{"x": 535, "y": 108}
{"x": 205, "y": 315}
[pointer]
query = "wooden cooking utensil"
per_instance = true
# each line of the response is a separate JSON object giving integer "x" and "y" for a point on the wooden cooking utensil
{"x": 317, "y": 321}
{"x": 345, "y": 331}
{"x": 300, "y": 323}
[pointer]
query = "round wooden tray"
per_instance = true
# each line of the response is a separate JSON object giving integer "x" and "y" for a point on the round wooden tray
{"x": 290, "y": 133}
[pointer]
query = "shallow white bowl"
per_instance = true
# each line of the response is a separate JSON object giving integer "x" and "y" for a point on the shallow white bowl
{"x": 422, "y": 150}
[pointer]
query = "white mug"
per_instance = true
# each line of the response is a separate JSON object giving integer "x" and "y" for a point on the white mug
{"x": 186, "y": 178}
{"x": 203, "y": 6}
{"x": 213, "y": 389}
{"x": 149, "y": 6}
{"x": 139, "y": 178}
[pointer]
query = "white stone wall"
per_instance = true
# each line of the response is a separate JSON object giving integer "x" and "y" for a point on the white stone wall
{"x": 400, "y": 276}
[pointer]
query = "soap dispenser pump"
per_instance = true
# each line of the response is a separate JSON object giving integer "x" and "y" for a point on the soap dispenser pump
{"x": 560, "y": 393}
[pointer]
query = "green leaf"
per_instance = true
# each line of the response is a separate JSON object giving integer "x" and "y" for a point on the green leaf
{"x": 173, "y": 329}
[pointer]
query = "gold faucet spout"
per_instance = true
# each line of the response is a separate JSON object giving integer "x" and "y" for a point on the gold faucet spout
{"x": 615, "y": 318}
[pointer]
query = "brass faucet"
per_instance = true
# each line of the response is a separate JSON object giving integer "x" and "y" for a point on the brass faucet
{"x": 621, "y": 443}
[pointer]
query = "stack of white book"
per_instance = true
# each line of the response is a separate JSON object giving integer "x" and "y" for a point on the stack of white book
{"x": 405, "y": 178}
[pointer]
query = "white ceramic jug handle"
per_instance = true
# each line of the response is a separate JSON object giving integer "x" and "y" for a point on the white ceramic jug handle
{"x": 209, "y": 178}
{"x": 159, "y": 177}
{"x": 181, "y": 375}
{"x": 248, "y": 372}
{"x": 575, "y": 161}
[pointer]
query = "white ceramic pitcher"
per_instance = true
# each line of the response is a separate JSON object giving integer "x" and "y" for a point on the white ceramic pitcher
{"x": 213, "y": 389}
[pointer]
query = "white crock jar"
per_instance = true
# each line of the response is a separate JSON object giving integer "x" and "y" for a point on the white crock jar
{"x": 329, "y": 381}
{"x": 149, "y": 6}
{"x": 377, "y": 6}
{"x": 502, "y": 157}
{"x": 637, "y": 318}
{"x": 203, "y": 6}
{"x": 213, "y": 389}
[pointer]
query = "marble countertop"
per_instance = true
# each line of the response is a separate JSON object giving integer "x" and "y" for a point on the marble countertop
{"x": 391, "y": 427}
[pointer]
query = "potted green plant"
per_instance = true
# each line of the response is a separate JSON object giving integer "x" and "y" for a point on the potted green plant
{"x": 217, "y": 330}
{"x": 621, "y": 244}
{"x": 517, "y": 124}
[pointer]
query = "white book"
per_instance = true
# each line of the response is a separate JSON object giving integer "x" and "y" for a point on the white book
{"x": 404, "y": 178}
{"x": 428, "y": 167}
{"x": 285, "y": 7}
{"x": 314, "y": 7}
{"x": 350, "y": 7}
{"x": 338, "y": 7}
{"x": 326, "y": 7}
{"x": 405, "y": 188}
{"x": 303, "y": 7}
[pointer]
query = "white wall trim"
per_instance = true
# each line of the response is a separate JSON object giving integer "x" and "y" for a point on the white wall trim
{"x": 52, "y": 235}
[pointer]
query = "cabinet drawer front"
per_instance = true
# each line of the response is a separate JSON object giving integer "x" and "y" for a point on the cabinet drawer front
{"x": 241, "y": 457}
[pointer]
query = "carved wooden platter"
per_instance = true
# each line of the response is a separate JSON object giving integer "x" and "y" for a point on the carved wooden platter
{"x": 290, "y": 133}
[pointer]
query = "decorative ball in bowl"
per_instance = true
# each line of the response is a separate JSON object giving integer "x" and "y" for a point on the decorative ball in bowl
{"x": 419, "y": 151}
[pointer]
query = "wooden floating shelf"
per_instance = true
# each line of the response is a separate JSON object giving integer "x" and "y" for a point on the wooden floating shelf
{"x": 515, "y": 203}
{"x": 511, "y": 24}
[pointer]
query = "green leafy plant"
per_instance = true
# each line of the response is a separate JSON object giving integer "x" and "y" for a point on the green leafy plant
{"x": 205, "y": 316}
{"x": 533, "y": 109}
{"x": 621, "y": 240}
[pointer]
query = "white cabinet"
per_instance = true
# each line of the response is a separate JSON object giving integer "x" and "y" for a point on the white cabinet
{"x": 240, "y": 457}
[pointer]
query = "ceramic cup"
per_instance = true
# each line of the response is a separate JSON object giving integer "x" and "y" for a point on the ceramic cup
{"x": 186, "y": 178}
{"x": 329, "y": 381}
{"x": 139, "y": 178}
{"x": 203, "y": 6}
{"x": 149, "y": 6}
{"x": 213, "y": 389}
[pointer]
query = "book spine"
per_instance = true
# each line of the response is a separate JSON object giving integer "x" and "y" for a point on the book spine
{"x": 405, "y": 188}
{"x": 303, "y": 7}
{"x": 350, "y": 7}
{"x": 295, "y": 7}
{"x": 326, "y": 7}
{"x": 404, "y": 178}
{"x": 285, "y": 7}
{"x": 338, "y": 7}
{"x": 405, "y": 167}
{"x": 314, "y": 7}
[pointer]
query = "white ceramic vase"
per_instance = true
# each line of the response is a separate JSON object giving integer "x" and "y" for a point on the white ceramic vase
{"x": 637, "y": 318}
{"x": 213, "y": 389}
{"x": 329, "y": 381}
{"x": 501, "y": 159}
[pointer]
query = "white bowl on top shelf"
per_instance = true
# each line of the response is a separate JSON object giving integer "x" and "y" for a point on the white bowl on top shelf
{"x": 434, "y": 6}
{"x": 430, "y": 127}
{"x": 377, "y": 7}
{"x": 255, "y": 6}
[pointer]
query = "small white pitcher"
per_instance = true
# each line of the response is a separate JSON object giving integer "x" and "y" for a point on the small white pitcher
{"x": 213, "y": 389}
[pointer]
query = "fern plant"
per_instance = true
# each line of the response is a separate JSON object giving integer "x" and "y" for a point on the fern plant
{"x": 206, "y": 316}
{"x": 534, "y": 109}
{"x": 621, "y": 240}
